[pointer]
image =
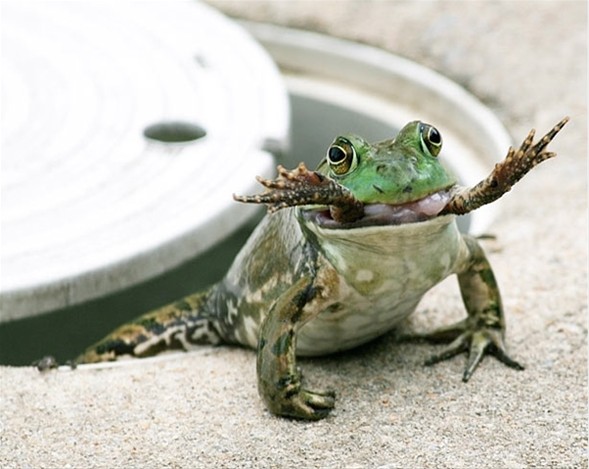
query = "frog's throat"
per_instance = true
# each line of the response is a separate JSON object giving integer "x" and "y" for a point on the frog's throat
{"x": 379, "y": 214}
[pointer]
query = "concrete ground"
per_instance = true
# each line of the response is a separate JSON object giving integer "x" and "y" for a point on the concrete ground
{"x": 527, "y": 61}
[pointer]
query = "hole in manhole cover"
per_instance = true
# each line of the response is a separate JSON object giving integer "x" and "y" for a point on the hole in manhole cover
{"x": 174, "y": 132}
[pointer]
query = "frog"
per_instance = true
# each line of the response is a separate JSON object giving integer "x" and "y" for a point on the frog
{"x": 344, "y": 254}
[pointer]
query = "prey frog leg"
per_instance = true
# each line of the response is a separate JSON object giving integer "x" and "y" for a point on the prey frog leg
{"x": 279, "y": 380}
{"x": 516, "y": 165}
{"x": 303, "y": 187}
{"x": 483, "y": 331}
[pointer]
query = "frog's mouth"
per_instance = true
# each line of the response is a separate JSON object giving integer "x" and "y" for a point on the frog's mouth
{"x": 380, "y": 214}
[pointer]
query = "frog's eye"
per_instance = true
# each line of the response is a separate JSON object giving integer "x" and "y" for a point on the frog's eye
{"x": 341, "y": 157}
{"x": 431, "y": 140}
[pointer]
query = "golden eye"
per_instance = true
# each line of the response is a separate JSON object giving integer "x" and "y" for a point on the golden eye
{"x": 341, "y": 157}
{"x": 431, "y": 140}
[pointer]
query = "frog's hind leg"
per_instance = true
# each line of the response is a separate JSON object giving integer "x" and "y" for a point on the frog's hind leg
{"x": 182, "y": 325}
{"x": 483, "y": 331}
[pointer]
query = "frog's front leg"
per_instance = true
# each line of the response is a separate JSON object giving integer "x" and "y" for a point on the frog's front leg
{"x": 483, "y": 331}
{"x": 279, "y": 380}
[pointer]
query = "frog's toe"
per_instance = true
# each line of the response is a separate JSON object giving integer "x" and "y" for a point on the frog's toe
{"x": 319, "y": 403}
{"x": 306, "y": 405}
{"x": 458, "y": 346}
{"x": 477, "y": 343}
{"x": 320, "y": 399}
{"x": 48, "y": 362}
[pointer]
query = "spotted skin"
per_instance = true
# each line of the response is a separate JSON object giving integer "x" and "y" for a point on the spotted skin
{"x": 279, "y": 381}
{"x": 178, "y": 326}
{"x": 301, "y": 288}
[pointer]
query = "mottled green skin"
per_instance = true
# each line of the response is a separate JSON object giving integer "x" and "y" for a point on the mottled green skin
{"x": 336, "y": 290}
{"x": 393, "y": 171}
{"x": 298, "y": 287}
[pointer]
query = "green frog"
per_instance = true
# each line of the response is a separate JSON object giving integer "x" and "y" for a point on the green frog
{"x": 346, "y": 252}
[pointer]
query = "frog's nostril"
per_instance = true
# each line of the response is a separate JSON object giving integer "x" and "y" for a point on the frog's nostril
{"x": 174, "y": 132}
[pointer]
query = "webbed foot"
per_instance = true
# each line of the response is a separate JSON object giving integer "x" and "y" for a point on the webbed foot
{"x": 303, "y": 404}
{"x": 482, "y": 332}
{"x": 475, "y": 339}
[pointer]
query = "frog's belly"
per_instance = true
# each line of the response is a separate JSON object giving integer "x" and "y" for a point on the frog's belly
{"x": 342, "y": 327}
{"x": 383, "y": 273}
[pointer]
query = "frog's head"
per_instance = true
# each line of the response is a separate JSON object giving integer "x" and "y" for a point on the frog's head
{"x": 402, "y": 177}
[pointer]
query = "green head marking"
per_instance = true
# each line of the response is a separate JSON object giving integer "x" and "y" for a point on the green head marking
{"x": 395, "y": 171}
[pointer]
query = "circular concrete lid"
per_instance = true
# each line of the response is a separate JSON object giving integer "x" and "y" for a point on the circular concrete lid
{"x": 126, "y": 127}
